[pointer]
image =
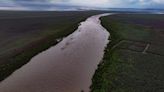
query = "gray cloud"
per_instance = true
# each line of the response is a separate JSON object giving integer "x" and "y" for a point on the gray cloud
{"x": 46, "y": 4}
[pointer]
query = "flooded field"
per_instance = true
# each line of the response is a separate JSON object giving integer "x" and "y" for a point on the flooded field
{"x": 66, "y": 67}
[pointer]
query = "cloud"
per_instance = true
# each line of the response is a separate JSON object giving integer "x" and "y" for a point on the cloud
{"x": 89, "y": 3}
{"x": 120, "y": 3}
{"x": 158, "y": 1}
{"x": 99, "y": 3}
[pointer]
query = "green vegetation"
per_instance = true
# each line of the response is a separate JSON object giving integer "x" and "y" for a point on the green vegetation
{"x": 127, "y": 65}
{"x": 25, "y": 34}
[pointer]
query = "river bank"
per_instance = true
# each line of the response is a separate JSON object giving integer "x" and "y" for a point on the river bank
{"x": 66, "y": 67}
{"x": 24, "y": 34}
{"x": 133, "y": 61}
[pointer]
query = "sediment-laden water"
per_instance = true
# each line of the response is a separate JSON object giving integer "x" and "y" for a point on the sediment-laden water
{"x": 66, "y": 67}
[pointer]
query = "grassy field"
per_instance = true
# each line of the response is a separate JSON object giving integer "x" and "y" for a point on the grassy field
{"x": 25, "y": 34}
{"x": 134, "y": 59}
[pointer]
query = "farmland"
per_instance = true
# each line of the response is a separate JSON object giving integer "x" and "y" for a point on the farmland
{"x": 133, "y": 60}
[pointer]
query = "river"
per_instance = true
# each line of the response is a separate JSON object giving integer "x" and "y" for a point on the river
{"x": 66, "y": 67}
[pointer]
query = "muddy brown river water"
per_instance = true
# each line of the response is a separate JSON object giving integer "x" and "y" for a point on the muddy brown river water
{"x": 66, "y": 67}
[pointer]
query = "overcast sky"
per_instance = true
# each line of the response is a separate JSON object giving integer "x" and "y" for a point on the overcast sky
{"x": 17, "y": 4}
